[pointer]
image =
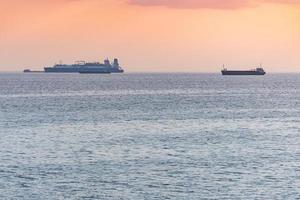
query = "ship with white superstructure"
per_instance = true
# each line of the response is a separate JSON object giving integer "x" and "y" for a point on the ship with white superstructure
{"x": 87, "y": 67}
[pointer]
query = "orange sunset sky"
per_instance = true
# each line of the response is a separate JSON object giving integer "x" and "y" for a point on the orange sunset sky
{"x": 152, "y": 35}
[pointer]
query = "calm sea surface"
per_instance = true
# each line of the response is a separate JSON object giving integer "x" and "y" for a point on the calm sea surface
{"x": 149, "y": 136}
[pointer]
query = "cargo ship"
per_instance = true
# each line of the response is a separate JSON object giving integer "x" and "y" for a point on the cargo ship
{"x": 257, "y": 71}
{"x": 86, "y": 67}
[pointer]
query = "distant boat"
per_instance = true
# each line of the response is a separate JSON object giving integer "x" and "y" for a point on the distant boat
{"x": 87, "y": 67}
{"x": 257, "y": 71}
{"x": 30, "y": 71}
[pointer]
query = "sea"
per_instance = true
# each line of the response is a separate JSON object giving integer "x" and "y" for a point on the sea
{"x": 151, "y": 136}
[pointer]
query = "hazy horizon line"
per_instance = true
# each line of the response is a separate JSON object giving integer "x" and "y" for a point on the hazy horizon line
{"x": 156, "y": 72}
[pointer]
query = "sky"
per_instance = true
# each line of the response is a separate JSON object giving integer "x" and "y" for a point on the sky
{"x": 152, "y": 35}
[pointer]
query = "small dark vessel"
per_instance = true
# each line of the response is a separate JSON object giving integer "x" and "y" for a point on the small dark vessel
{"x": 30, "y": 71}
{"x": 257, "y": 71}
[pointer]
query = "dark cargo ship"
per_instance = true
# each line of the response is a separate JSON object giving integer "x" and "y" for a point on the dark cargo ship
{"x": 257, "y": 71}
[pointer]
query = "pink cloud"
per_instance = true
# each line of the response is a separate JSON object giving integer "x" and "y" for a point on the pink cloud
{"x": 213, "y": 4}
{"x": 221, "y": 4}
{"x": 284, "y": 1}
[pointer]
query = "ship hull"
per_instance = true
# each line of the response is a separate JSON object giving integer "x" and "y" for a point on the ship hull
{"x": 94, "y": 71}
{"x": 79, "y": 70}
{"x": 117, "y": 71}
{"x": 61, "y": 70}
{"x": 243, "y": 73}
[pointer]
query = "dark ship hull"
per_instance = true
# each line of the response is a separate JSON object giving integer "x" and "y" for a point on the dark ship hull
{"x": 94, "y": 70}
{"x": 61, "y": 69}
{"x": 75, "y": 70}
{"x": 256, "y": 73}
{"x": 117, "y": 71}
